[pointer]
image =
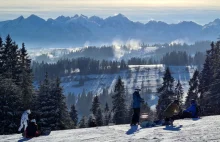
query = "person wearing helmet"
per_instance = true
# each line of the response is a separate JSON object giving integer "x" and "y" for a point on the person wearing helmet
{"x": 24, "y": 120}
{"x": 170, "y": 111}
{"x": 136, "y": 106}
{"x": 192, "y": 111}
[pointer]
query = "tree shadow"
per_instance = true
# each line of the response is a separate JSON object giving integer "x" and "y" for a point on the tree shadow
{"x": 24, "y": 139}
{"x": 132, "y": 130}
{"x": 173, "y": 128}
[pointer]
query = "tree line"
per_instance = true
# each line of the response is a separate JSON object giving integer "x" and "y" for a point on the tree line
{"x": 82, "y": 65}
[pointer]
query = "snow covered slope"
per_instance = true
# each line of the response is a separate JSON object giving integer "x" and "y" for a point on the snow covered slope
{"x": 205, "y": 129}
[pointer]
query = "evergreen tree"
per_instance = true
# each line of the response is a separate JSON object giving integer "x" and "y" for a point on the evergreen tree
{"x": 82, "y": 123}
{"x": 26, "y": 78}
{"x": 10, "y": 106}
{"x": 179, "y": 92}
{"x": 119, "y": 103}
{"x": 106, "y": 114}
{"x": 193, "y": 89}
{"x": 46, "y": 105}
{"x": 99, "y": 117}
{"x": 74, "y": 115}
{"x": 95, "y": 105}
{"x": 62, "y": 118}
{"x": 166, "y": 92}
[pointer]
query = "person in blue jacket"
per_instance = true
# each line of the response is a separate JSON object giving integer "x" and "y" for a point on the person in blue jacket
{"x": 137, "y": 100}
{"x": 192, "y": 111}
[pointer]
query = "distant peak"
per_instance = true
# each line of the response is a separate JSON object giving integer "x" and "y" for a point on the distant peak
{"x": 20, "y": 18}
{"x": 119, "y": 15}
{"x": 83, "y": 16}
{"x": 76, "y": 16}
{"x": 62, "y": 18}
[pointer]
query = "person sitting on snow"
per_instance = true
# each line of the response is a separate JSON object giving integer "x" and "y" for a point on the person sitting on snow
{"x": 170, "y": 111}
{"x": 192, "y": 111}
{"x": 136, "y": 106}
{"x": 32, "y": 129}
{"x": 24, "y": 120}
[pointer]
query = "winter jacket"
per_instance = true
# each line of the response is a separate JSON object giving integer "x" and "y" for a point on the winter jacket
{"x": 31, "y": 129}
{"x": 24, "y": 117}
{"x": 137, "y": 100}
{"x": 193, "y": 110}
{"x": 171, "y": 110}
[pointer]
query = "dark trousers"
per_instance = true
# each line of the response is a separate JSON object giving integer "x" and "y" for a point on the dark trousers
{"x": 136, "y": 116}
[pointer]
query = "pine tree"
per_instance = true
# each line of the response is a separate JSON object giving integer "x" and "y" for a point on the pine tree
{"x": 95, "y": 105}
{"x": 106, "y": 114}
{"x": 82, "y": 123}
{"x": 62, "y": 118}
{"x": 193, "y": 89}
{"x": 179, "y": 92}
{"x": 74, "y": 115}
{"x": 166, "y": 92}
{"x": 99, "y": 117}
{"x": 26, "y": 78}
{"x": 46, "y": 104}
{"x": 119, "y": 103}
{"x": 10, "y": 106}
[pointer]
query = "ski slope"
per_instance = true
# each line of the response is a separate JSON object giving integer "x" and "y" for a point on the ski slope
{"x": 206, "y": 129}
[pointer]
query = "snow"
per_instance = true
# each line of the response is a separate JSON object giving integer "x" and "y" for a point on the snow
{"x": 187, "y": 130}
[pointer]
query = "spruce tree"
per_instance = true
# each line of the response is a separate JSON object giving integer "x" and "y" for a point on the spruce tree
{"x": 193, "y": 89}
{"x": 10, "y": 106}
{"x": 119, "y": 103}
{"x": 95, "y": 105}
{"x": 99, "y": 117}
{"x": 26, "y": 78}
{"x": 46, "y": 105}
{"x": 179, "y": 92}
{"x": 74, "y": 115}
{"x": 106, "y": 114}
{"x": 166, "y": 93}
{"x": 62, "y": 118}
{"x": 82, "y": 123}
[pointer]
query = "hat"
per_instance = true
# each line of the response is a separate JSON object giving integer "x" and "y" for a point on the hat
{"x": 29, "y": 111}
{"x": 193, "y": 101}
{"x": 137, "y": 89}
{"x": 33, "y": 120}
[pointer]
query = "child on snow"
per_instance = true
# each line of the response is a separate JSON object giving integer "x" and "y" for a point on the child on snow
{"x": 170, "y": 112}
{"x": 32, "y": 129}
{"x": 136, "y": 106}
{"x": 24, "y": 120}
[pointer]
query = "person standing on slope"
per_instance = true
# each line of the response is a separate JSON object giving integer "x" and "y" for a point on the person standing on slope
{"x": 24, "y": 120}
{"x": 136, "y": 106}
{"x": 170, "y": 111}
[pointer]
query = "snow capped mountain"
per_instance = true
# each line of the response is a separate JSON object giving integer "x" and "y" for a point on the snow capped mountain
{"x": 205, "y": 129}
{"x": 79, "y": 29}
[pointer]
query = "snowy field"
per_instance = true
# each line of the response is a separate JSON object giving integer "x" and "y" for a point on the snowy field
{"x": 206, "y": 129}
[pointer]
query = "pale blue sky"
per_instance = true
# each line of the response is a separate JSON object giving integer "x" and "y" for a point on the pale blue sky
{"x": 170, "y": 11}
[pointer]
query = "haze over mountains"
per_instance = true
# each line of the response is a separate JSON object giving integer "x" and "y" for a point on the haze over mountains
{"x": 80, "y": 30}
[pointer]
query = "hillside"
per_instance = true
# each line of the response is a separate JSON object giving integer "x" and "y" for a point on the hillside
{"x": 81, "y": 30}
{"x": 187, "y": 130}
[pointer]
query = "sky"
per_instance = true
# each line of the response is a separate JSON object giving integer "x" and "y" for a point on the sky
{"x": 170, "y": 11}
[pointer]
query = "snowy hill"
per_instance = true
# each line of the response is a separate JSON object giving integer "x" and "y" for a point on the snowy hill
{"x": 143, "y": 76}
{"x": 205, "y": 129}
{"x": 79, "y": 29}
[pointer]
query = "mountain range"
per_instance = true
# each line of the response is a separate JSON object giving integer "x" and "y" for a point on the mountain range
{"x": 79, "y": 29}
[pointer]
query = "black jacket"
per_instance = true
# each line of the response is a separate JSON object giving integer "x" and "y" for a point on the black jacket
{"x": 31, "y": 129}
